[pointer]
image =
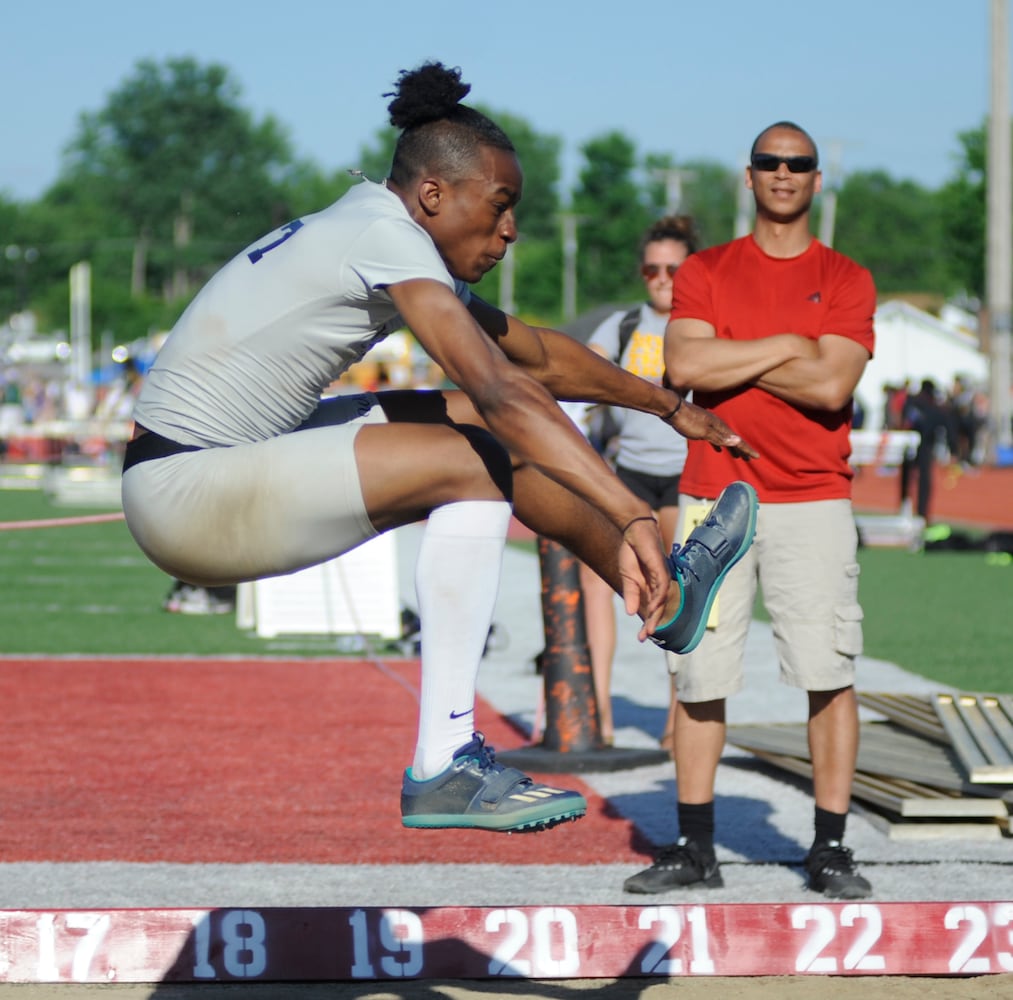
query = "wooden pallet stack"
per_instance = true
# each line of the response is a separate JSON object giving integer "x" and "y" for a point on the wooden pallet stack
{"x": 933, "y": 767}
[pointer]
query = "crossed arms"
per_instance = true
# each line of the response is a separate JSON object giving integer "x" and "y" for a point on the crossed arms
{"x": 818, "y": 374}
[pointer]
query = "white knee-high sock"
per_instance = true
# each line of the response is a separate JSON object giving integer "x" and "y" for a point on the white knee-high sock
{"x": 456, "y": 581}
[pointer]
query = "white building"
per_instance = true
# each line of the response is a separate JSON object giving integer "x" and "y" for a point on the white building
{"x": 912, "y": 344}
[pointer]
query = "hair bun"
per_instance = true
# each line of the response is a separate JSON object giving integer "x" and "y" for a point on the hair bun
{"x": 428, "y": 93}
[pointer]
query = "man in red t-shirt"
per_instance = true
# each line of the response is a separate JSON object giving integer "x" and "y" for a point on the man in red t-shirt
{"x": 774, "y": 330}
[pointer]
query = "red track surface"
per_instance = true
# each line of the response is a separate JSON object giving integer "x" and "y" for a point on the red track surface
{"x": 978, "y": 497}
{"x": 228, "y": 761}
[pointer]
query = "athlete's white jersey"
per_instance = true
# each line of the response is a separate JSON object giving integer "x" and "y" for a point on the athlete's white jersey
{"x": 250, "y": 357}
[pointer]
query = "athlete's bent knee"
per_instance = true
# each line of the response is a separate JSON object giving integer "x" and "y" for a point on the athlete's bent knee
{"x": 494, "y": 457}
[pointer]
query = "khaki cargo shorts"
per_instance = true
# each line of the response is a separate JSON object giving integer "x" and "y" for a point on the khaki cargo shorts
{"x": 804, "y": 559}
{"x": 225, "y": 515}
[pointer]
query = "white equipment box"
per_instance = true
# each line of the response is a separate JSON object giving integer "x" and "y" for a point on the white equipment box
{"x": 357, "y": 594}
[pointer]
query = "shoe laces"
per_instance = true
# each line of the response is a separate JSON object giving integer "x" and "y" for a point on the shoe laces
{"x": 476, "y": 756}
{"x": 833, "y": 858}
{"x": 679, "y": 562}
{"x": 681, "y": 854}
{"x": 480, "y": 753}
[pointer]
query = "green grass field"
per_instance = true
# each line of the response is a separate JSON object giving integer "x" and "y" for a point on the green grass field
{"x": 89, "y": 590}
{"x": 945, "y": 615}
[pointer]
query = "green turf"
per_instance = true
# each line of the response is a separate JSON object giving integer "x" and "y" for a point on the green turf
{"x": 89, "y": 590}
{"x": 945, "y": 615}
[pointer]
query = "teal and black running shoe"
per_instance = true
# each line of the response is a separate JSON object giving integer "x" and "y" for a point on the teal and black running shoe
{"x": 477, "y": 793}
{"x": 699, "y": 566}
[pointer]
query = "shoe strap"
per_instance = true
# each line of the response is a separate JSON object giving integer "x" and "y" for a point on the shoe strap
{"x": 712, "y": 539}
{"x": 683, "y": 853}
{"x": 833, "y": 853}
{"x": 502, "y": 783}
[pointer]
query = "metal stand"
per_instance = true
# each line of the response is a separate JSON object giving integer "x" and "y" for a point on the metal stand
{"x": 571, "y": 740}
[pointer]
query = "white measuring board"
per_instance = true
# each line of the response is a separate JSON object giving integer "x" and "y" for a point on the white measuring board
{"x": 357, "y": 593}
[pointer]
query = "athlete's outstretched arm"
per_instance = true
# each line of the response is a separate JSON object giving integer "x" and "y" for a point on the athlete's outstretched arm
{"x": 571, "y": 371}
{"x": 525, "y": 418}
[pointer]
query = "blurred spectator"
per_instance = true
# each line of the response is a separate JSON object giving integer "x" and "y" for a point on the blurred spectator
{"x": 117, "y": 403}
{"x": 965, "y": 422}
{"x": 925, "y": 414}
{"x": 12, "y": 415}
{"x": 895, "y": 399}
{"x": 858, "y": 413}
{"x": 185, "y": 599}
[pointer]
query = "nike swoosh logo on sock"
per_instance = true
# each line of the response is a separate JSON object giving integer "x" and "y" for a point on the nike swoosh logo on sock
{"x": 461, "y": 715}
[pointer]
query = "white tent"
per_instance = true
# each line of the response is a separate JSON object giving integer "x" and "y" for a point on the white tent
{"x": 912, "y": 344}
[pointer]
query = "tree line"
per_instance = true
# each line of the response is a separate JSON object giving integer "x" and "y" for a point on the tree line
{"x": 173, "y": 176}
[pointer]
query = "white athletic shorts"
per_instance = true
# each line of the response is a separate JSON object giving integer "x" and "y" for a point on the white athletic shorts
{"x": 804, "y": 558}
{"x": 224, "y": 515}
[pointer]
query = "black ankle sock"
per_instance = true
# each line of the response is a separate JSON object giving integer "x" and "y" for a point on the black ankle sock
{"x": 829, "y": 825}
{"x": 696, "y": 823}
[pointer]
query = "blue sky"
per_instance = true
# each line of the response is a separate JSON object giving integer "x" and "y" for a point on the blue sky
{"x": 887, "y": 83}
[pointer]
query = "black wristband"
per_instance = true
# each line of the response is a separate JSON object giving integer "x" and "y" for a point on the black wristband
{"x": 678, "y": 407}
{"x": 633, "y": 521}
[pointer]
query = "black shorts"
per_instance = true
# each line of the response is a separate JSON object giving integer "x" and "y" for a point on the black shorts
{"x": 658, "y": 491}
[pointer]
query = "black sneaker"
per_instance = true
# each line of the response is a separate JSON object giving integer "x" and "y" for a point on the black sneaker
{"x": 832, "y": 871}
{"x": 701, "y": 565}
{"x": 477, "y": 793}
{"x": 679, "y": 866}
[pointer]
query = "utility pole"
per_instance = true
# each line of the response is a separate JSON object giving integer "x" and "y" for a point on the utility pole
{"x": 80, "y": 339}
{"x": 743, "y": 205}
{"x": 182, "y": 234}
{"x": 831, "y": 185}
{"x": 999, "y": 253}
{"x": 673, "y": 178}
{"x": 21, "y": 259}
{"x": 569, "y": 221}
{"x": 507, "y": 269}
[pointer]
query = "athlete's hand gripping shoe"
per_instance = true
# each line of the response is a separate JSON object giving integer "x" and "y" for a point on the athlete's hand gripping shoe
{"x": 699, "y": 566}
{"x": 477, "y": 793}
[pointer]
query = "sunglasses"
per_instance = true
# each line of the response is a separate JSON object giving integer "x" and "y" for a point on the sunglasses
{"x": 653, "y": 270}
{"x": 796, "y": 164}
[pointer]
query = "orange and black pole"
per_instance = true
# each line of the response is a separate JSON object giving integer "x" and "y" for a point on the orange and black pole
{"x": 571, "y": 705}
{"x": 571, "y": 740}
